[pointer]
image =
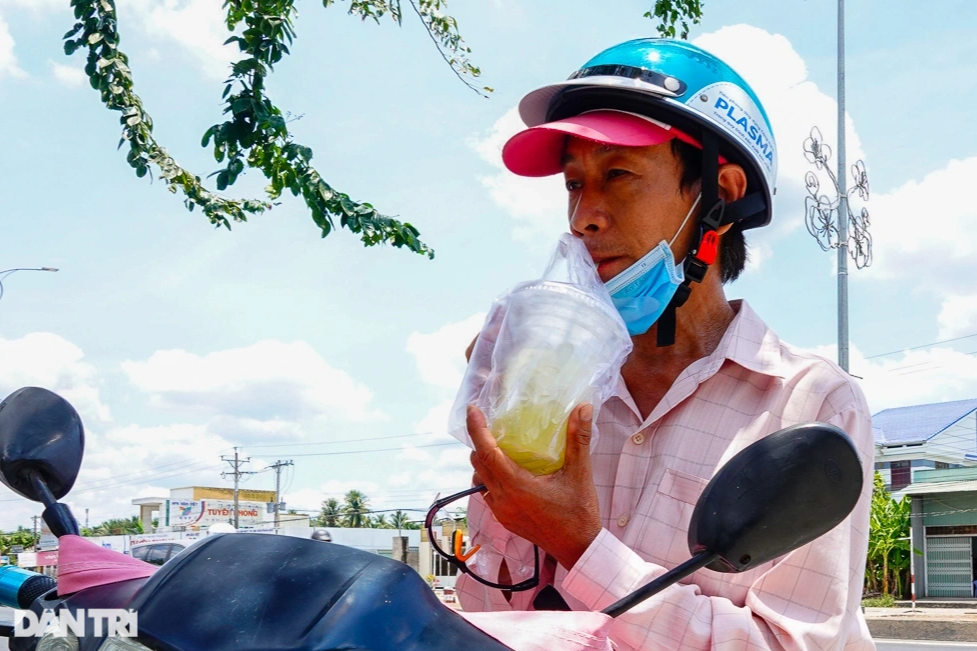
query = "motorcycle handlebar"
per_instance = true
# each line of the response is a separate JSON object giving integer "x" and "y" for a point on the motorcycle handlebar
{"x": 19, "y": 587}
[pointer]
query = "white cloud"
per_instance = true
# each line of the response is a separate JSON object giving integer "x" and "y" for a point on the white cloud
{"x": 925, "y": 232}
{"x": 778, "y": 74}
{"x": 440, "y": 358}
{"x": 68, "y": 75}
{"x": 758, "y": 253}
{"x": 440, "y": 355}
{"x": 36, "y": 5}
{"x": 8, "y": 60}
{"x": 198, "y": 26}
{"x": 538, "y": 206}
{"x": 265, "y": 381}
{"x": 121, "y": 462}
{"x": 434, "y": 425}
{"x": 958, "y": 316}
{"x": 411, "y": 453}
{"x": 914, "y": 378}
{"x": 46, "y": 360}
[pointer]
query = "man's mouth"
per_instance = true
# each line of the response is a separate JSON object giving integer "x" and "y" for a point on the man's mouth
{"x": 604, "y": 264}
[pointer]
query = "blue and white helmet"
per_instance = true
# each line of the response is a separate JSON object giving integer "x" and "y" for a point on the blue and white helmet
{"x": 684, "y": 86}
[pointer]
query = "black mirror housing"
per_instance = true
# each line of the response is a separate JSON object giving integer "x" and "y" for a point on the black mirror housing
{"x": 40, "y": 433}
{"x": 778, "y": 494}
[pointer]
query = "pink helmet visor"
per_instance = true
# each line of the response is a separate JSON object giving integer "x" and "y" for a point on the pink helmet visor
{"x": 538, "y": 151}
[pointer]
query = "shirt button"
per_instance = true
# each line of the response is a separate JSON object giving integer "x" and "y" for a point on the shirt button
{"x": 622, "y": 521}
{"x": 638, "y": 438}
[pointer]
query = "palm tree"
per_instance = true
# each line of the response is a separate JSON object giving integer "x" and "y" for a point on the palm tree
{"x": 381, "y": 522}
{"x": 399, "y": 520}
{"x": 355, "y": 509}
{"x": 119, "y": 527}
{"x": 331, "y": 514}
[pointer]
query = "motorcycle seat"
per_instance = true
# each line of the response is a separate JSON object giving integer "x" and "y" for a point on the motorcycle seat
{"x": 260, "y": 592}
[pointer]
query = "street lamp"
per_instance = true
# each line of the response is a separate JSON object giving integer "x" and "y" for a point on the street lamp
{"x": 7, "y": 272}
{"x": 830, "y": 220}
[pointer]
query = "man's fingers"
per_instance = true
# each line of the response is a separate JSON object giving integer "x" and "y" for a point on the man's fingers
{"x": 489, "y": 461}
{"x": 579, "y": 432}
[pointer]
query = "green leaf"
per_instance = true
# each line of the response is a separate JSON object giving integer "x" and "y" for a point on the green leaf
{"x": 70, "y": 47}
{"x": 94, "y": 38}
{"x": 207, "y": 135}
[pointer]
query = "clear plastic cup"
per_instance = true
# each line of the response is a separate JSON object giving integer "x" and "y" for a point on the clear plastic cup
{"x": 555, "y": 343}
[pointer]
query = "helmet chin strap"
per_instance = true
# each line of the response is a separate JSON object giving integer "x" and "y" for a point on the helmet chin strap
{"x": 704, "y": 249}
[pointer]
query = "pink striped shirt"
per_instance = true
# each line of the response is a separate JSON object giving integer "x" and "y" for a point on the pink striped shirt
{"x": 649, "y": 473}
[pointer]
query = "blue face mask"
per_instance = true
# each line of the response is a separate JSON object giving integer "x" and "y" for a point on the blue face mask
{"x": 642, "y": 291}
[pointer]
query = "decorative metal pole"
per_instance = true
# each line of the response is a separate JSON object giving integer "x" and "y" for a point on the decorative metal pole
{"x": 831, "y": 221}
{"x": 842, "y": 200}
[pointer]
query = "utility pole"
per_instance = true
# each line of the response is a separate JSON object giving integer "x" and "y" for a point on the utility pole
{"x": 35, "y": 519}
{"x": 86, "y": 518}
{"x": 236, "y": 463}
{"x": 278, "y": 465}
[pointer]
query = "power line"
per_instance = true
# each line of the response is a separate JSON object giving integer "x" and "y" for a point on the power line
{"x": 935, "y": 343}
{"x": 329, "y": 454}
{"x": 360, "y": 440}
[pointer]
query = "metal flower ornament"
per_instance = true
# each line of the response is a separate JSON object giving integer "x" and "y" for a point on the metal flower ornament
{"x": 822, "y": 212}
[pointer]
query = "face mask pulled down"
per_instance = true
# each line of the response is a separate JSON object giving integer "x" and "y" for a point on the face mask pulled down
{"x": 642, "y": 291}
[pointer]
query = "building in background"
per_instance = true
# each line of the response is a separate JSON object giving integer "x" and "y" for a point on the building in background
{"x": 944, "y": 528}
{"x": 939, "y": 436}
{"x": 195, "y": 508}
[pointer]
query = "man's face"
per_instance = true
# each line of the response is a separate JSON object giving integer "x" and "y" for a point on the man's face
{"x": 623, "y": 201}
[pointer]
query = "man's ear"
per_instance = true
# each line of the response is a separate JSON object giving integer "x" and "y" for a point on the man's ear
{"x": 732, "y": 183}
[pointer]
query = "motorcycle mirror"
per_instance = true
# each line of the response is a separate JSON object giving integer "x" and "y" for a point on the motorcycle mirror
{"x": 776, "y": 495}
{"x": 41, "y": 444}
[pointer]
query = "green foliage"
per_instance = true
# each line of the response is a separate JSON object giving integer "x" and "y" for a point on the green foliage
{"x": 355, "y": 510}
{"x": 400, "y": 520}
{"x": 256, "y": 134}
{"x": 443, "y": 30}
{"x": 108, "y": 72}
{"x": 22, "y": 536}
{"x": 380, "y": 522}
{"x": 117, "y": 527}
{"x": 670, "y": 12}
{"x": 330, "y": 514}
{"x": 882, "y": 601}
{"x": 888, "y": 544}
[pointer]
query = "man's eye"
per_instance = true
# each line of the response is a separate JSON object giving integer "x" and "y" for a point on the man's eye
{"x": 616, "y": 173}
{"x": 572, "y": 185}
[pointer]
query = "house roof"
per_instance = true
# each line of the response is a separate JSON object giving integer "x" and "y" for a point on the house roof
{"x": 966, "y": 486}
{"x": 919, "y": 423}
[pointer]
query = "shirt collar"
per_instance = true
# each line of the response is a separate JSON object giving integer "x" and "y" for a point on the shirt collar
{"x": 748, "y": 342}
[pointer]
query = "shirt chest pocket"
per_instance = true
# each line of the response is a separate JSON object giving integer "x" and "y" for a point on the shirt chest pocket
{"x": 663, "y": 535}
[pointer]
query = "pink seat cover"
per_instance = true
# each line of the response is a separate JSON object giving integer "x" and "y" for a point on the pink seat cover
{"x": 83, "y": 564}
{"x": 545, "y": 630}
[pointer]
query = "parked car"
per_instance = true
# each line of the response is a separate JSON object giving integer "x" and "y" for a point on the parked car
{"x": 157, "y": 553}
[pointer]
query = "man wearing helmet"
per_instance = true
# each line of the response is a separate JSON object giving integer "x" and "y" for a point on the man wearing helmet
{"x": 668, "y": 158}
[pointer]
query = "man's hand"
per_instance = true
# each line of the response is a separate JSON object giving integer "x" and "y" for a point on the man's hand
{"x": 558, "y": 512}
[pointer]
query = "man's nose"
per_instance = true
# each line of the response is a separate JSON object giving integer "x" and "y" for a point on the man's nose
{"x": 588, "y": 214}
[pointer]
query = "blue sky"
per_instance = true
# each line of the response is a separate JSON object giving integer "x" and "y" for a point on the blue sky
{"x": 177, "y": 341}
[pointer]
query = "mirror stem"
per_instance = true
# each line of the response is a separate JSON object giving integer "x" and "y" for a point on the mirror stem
{"x": 697, "y": 562}
{"x": 41, "y": 488}
{"x": 57, "y": 516}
